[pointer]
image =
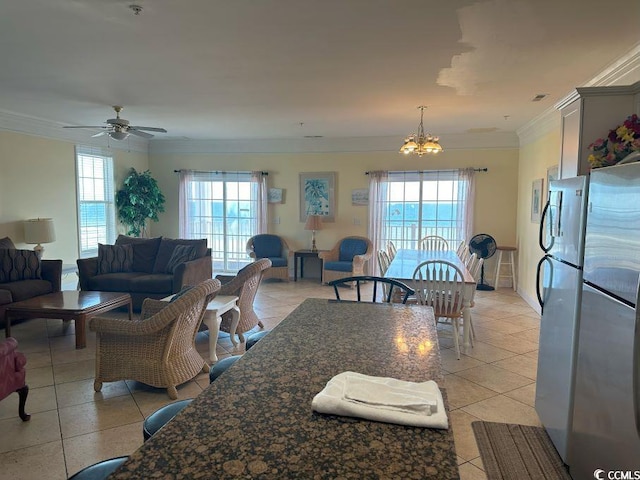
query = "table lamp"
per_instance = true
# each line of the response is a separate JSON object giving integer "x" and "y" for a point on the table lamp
{"x": 314, "y": 223}
{"x": 39, "y": 230}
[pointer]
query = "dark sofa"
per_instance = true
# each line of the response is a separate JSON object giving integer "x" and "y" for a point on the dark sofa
{"x": 23, "y": 276}
{"x": 146, "y": 267}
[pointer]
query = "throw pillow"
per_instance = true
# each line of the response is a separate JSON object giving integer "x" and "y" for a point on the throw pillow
{"x": 6, "y": 243}
{"x": 16, "y": 265}
{"x": 144, "y": 251}
{"x": 181, "y": 254}
{"x": 115, "y": 258}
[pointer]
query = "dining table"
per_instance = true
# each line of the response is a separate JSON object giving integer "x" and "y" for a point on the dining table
{"x": 405, "y": 262}
{"x": 256, "y": 420}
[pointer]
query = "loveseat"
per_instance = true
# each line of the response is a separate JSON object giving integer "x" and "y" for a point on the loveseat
{"x": 24, "y": 276}
{"x": 146, "y": 267}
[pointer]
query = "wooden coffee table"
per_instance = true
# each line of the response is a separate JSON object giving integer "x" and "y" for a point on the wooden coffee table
{"x": 68, "y": 305}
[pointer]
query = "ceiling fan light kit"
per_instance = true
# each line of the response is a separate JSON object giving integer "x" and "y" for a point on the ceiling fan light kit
{"x": 420, "y": 143}
{"x": 119, "y": 128}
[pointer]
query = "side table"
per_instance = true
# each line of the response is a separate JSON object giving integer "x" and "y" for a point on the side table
{"x": 302, "y": 254}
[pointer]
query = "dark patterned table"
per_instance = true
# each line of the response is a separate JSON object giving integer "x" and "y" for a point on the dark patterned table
{"x": 256, "y": 421}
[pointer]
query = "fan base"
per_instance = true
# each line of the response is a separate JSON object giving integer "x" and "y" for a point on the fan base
{"x": 484, "y": 287}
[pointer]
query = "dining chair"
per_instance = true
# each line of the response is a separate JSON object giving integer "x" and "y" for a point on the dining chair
{"x": 440, "y": 284}
{"x": 391, "y": 249}
{"x": 474, "y": 265}
{"x": 383, "y": 261}
{"x": 387, "y": 294}
{"x": 433, "y": 242}
{"x": 460, "y": 249}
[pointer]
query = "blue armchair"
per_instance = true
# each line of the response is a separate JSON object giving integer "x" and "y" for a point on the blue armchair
{"x": 347, "y": 258}
{"x": 274, "y": 248}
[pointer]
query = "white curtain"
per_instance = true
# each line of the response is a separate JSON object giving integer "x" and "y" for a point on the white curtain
{"x": 186, "y": 177}
{"x": 377, "y": 197}
{"x": 260, "y": 179}
{"x": 467, "y": 194}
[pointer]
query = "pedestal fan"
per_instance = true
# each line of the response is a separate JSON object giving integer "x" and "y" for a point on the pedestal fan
{"x": 484, "y": 246}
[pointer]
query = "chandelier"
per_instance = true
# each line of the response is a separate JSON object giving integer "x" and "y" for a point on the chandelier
{"x": 421, "y": 143}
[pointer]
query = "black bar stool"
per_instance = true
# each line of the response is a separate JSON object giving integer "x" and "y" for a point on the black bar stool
{"x": 100, "y": 470}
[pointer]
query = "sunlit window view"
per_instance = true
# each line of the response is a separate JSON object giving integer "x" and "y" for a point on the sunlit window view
{"x": 96, "y": 209}
{"x": 423, "y": 203}
{"x": 223, "y": 209}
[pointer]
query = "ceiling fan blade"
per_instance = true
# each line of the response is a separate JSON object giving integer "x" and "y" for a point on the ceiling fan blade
{"x": 139, "y": 133}
{"x": 85, "y": 126}
{"x": 151, "y": 129}
{"x": 99, "y": 134}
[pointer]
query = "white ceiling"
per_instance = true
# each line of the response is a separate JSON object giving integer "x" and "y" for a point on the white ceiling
{"x": 236, "y": 69}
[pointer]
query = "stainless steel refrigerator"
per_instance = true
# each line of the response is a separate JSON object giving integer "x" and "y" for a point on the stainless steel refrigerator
{"x": 560, "y": 276}
{"x": 606, "y": 424}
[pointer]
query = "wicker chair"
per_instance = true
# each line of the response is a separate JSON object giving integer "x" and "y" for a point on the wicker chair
{"x": 244, "y": 286}
{"x": 346, "y": 259}
{"x": 158, "y": 349}
{"x": 274, "y": 248}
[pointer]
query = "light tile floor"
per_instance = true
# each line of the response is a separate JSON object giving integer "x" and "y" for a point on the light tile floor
{"x": 72, "y": 426}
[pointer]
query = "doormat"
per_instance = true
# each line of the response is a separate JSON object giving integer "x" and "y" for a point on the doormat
{"x": 518, "y": 452}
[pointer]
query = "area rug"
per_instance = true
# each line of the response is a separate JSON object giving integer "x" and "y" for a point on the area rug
{"x": 518, "y": 452}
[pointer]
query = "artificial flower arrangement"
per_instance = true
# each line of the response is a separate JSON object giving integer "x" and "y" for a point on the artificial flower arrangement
{"x": 621, "y": 141}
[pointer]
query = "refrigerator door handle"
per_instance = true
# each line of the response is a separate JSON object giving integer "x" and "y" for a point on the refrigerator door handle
{"x": 538, "y": 278}
{"x": 636, "y": 360}
{"x": 543, "y": 222}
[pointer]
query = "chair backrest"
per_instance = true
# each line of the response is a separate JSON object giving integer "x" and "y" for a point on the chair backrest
{"x": 473, "y": 264}
{"x": 433, "y": 242}
{"x": 266, "y": 245}
{"x": 391, "y": 249}
{"x": 350, "y": 247}
{"x": 439, "y": 284}
{"x": 249, "y": 278}
{"x": 460, "y": 249}
{"x": 387, "y": 293}
{"x": 466, "y": 253}
{"x": 383, "y": 261}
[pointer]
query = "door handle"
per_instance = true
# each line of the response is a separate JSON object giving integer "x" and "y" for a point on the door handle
{"x": 538, "y": 294}
{"x": 542, "y": 224}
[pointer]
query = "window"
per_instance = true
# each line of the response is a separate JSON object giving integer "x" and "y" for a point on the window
{"x": 227, "y": 209}
{"x": 417, "y": 204}
{"x": 96, "y": 209}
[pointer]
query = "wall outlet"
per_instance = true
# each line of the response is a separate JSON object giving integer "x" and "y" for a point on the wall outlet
{"x": 356, "y": 221}
{"x": 276, "y": 220}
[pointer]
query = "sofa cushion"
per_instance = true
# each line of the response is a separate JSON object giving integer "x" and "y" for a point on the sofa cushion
{"x": 5, "y": 297}
{"x": 267, "y": 246}
{"x": 25, "y": 289}
{"x": 278, "y": 261}
{"x": 115, "y": 258}
{"x": 113, "y": 282}
{"x": 350, "y": 247}
{"x": 16, "y": 265}
{"x": 144, "y": 251}
{"x": 167, "y": 245}
{"x": 181, "y": 254}
{"x": 7, "y": 243}
{"x": 154, "y": 283}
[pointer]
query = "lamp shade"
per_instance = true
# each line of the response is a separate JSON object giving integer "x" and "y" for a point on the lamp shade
{"x": 39, "y": 230}
{"x": 313, "y": 222}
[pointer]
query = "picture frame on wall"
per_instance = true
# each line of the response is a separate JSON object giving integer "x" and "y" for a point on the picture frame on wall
{"x": 317, "y": 195}
{"x": 275, "y": 195}
{"x": 360, "y": 197}
{"x": 536, "y": 200}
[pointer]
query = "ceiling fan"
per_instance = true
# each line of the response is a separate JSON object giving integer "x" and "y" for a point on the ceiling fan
{"x": 119, "y": 128}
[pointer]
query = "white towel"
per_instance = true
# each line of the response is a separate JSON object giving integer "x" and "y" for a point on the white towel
{"x": 383, "y": 399}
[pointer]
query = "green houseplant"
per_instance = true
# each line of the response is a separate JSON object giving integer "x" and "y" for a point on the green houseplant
{"x": 139, "y": 199}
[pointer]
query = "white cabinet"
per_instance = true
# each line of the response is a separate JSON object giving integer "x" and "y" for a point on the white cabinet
{"x": 588, "y": 114}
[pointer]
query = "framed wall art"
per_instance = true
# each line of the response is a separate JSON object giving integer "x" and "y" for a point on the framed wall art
{"x": 275, "y": 195}
{"x": 360, "y": 196}
{"x": 317, "y": 195}
{"x": 536, "y": 200}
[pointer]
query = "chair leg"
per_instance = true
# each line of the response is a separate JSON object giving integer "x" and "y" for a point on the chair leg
{"x": 22, "y": 393}
{"x": 172, "y": 392}
{"x": 260, "y": 324}
{"x": 456, "y": 333}
{"x": 97, "y": 385}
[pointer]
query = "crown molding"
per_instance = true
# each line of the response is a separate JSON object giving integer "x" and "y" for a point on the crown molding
{"x": 624, "y": 69}
{"x": 26, "y": 125}
{"x": 493, "y": 140}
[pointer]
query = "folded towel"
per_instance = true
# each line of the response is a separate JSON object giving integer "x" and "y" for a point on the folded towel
{"x": 384, "y": 400}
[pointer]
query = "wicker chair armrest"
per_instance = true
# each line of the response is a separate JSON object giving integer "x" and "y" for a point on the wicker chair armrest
{"x": 230, "y": 285}
{"x": 118, "y": 326}
{"x": 151, "y": 306}
{"x": 330, "y": 256}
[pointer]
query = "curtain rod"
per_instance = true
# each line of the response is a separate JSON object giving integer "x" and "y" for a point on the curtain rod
{"x": 216, "y": 172}
{"x": 483, "y": 169}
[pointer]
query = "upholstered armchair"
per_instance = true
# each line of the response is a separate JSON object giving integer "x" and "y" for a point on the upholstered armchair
{"x": 244, "y": 286}
{"x": 346, "y": 259}
{"x": 12, "y": 374}
{"x": 274, "y": 248}
{"x": 159, "y": 348}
